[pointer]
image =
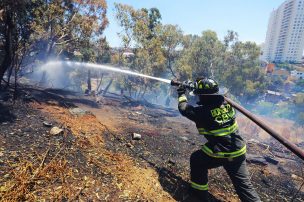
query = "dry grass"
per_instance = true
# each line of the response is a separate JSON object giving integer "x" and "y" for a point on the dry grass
{"x": 28, "y": 181}
{"x": 99, "y": 174}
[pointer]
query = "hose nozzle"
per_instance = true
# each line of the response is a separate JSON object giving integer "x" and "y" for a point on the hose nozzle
{"x": 175, "y": 83}
{"x": 187, "y": 84}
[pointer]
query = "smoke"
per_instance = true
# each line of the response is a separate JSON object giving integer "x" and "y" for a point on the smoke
{"x": 283, "y": 116}
{"x": 52, "y": 74}
{"x": 74, "y": 76}
{"x": 61, "y": 74}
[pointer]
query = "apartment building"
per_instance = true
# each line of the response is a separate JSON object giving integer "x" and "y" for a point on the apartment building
{"x": 285, "y": 34}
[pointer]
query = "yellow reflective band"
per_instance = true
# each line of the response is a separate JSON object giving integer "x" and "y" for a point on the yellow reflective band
{"x": 234, "y": 154}
{"x": 232, "y": 113}
{"x": 202, "y": 187}
{"x": 182, "y": 99}
{"x": 219, "y": 132}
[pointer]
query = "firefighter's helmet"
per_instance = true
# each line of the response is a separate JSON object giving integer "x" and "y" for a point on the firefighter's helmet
{"x": 207, "y": 86}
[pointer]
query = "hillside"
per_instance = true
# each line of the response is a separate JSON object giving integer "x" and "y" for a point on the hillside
{"x": 95, "y": 158}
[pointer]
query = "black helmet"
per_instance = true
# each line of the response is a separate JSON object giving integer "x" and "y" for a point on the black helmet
{"x": 206, "y": 86}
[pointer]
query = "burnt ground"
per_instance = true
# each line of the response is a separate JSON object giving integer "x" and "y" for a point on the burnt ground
{"x": 72, "y": 165}
{"x": 36, "y": 165}
{"x": 168, "y": 140}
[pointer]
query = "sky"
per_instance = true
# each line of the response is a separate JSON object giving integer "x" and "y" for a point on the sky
{"x": 249, "y": 18}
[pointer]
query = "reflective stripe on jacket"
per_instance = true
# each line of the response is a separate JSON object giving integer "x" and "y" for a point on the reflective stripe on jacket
{"x": 219, "y": 132}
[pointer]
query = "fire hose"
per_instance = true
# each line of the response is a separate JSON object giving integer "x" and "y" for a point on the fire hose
{"x": 289, "y": 145}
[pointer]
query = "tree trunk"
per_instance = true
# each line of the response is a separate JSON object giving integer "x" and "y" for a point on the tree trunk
{"x": 48, "y": 49}
{"x": 50, "y": 42}
{"x": 10, "y": 72}
{"x": 89, "y": 81}
{"x": 107, "y": 88}
{"x": 9, "y": 75}
{"x": 137, "y": 93}
{"x": 99, "y": 83}
{"x": 130, "y": 91}
{"x": 15, "y": 85}
{"x": 8, "y": 57}
{"x": 145, "y": 90}
{"x": 170, "y": 67}
{"x": 43, "y": 80}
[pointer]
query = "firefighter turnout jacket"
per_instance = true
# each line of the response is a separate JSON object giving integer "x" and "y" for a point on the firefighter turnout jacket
{"x": 216, "y": 121}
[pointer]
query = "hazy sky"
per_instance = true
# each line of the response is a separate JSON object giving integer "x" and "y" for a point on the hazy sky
{"x": 247, "y": 17}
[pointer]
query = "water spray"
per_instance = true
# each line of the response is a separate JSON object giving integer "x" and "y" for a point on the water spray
{"x": 106, "y": 68}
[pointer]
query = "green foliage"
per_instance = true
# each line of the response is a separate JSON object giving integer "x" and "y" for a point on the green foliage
{"x": 242, "y": 74}
{"x": 233, "y": 63}
{"x": 15, "y": 31}
{"x": 282, "y": 110}
{"x": 88, "y": 54}
{"x": 171, "y": 38}
{"x": 159, "y": 48}
{"x": 65, "y": 25}
{"x": 199, "y": 57}
{"x": 69, "y": 29}
{"x": 286, "y": 66}
{"x": 142, "y": 28}
{"x": 52, "y": 28}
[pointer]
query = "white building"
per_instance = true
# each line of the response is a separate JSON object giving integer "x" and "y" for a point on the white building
{"x": 285, "y": 34}
{"x": 297, "y": 74}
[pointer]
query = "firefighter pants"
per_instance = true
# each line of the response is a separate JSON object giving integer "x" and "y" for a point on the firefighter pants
{"x": 236, "y": 169}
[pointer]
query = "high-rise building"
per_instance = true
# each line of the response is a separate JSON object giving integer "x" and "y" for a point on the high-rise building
{"x": 285, "y": 35}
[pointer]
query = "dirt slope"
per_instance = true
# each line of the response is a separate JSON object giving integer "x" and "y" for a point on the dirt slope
{"x": 82, "y": 170}
{"x": 96, "y": 159}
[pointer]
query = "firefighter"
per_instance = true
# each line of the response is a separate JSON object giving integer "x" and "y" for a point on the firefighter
{"x": 215, "y": 120}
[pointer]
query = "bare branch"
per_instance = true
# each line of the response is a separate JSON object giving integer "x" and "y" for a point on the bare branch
{"x": 63, "y": 42}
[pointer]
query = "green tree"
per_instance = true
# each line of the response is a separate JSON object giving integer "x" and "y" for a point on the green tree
{"x": 51, "y": 27}
{"x": 243, "y": 75}
{"x": 88, "y": 55}
{"x": 233, "y": 63}
{"x": 126, "y": 18}
{"x": 188, "y": 40}
{"x": 63, "y": 25}
{"x": 15, "y": 31}
{"x": 171, "y": 36}
{"x": 142, "y": 30}
{"x": 103, "y": 51}
{"x": 201, "y": 56}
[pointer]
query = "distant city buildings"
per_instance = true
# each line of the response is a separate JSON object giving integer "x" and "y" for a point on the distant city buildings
{"x": 297, "y": 74}
{"x": 285, "y": 35}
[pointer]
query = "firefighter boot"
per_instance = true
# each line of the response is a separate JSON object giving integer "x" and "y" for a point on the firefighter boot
{"x": 202, "y": 196}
